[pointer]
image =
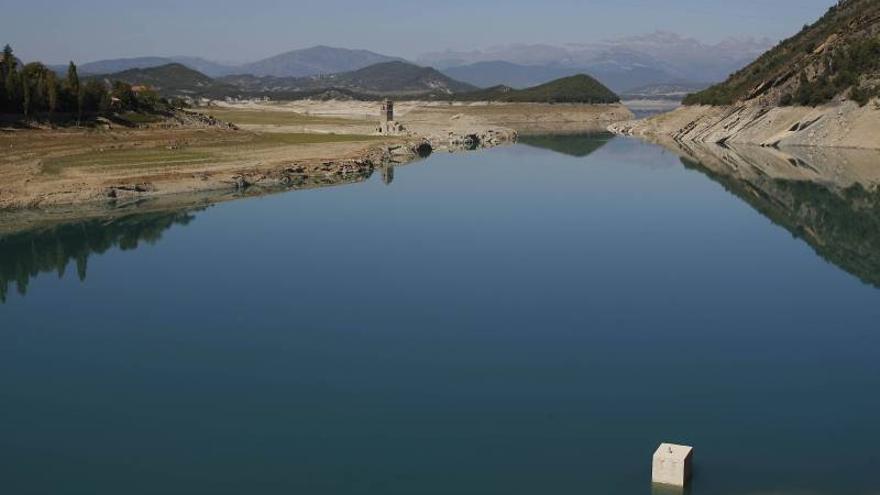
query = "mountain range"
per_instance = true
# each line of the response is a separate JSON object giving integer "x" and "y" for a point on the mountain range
{"x": 399, "y": 80}
{"x": 621, "y": 64}
{"x": 397, "y": 77}
{"x": 295, "y": 63}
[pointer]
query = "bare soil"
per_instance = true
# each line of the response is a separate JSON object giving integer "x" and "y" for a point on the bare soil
{"x": 275, "y": 144}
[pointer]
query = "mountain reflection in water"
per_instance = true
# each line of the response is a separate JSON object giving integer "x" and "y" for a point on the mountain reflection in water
{"x": 829, "y": 198}
{"x": 576, "y": 145}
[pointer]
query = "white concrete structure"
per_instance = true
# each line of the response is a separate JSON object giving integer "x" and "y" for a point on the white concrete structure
{"x": 672, "y": 464}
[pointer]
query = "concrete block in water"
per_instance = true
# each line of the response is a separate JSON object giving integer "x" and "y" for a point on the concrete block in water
{"x": 672, "y": 464}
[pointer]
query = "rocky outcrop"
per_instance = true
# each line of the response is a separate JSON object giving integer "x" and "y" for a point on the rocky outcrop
{"x": 842, "y": 124}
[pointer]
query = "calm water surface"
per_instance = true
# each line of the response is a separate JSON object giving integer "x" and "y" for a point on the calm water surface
{"x": 531, "y": 319}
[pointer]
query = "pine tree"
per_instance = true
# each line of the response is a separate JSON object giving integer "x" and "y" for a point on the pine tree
{"x": 75, "y": 89}
{"x": 3, "y": 96}
{"x": 10, "y": 81}
{"x": 25, "y": 95}
{"x": 51, "y": 93}
{"x": 13, "y": 91}
{"x": 8, "y": 59}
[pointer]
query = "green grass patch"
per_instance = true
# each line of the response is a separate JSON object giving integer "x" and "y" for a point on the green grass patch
{"x": 130, "y": 158}
{"x": 283, "y": 139}
{"x": 271, "y": 117}
{"x": 141, "y": 118}
{"x": 191, "y": 155}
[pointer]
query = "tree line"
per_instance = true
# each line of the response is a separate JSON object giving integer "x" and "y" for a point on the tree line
{"x": 34, "y": 91}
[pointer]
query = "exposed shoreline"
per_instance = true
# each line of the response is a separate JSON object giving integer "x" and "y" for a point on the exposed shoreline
{"x": 840, "y": 125}
{"x": 233, "y": 166}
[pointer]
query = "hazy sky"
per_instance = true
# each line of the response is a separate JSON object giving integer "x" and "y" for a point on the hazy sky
{"x": 84, "y": 30}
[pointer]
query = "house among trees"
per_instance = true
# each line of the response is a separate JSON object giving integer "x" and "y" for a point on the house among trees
{"x": 33, "y": 91}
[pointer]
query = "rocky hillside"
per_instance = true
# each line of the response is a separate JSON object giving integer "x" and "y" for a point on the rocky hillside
{"x": 814, "y": 89}
{"x": 580, "y": 88}
{"x": 836, "y": 57}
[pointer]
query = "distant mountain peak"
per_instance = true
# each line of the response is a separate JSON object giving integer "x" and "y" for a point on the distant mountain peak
{"x": 622, "y": 63}
{"x": 315, "y": 60}
{"x": 311, "y": 61}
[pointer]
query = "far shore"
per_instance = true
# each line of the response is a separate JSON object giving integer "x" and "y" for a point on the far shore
{"x": 276, "y": 145}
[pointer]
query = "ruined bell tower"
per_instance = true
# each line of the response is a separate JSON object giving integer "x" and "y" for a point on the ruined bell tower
{"x": 388, "y": 125}
{"x": 388, "y": 110}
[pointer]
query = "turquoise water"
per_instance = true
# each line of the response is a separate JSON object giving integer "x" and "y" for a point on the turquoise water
{"x": 530, "y": 319}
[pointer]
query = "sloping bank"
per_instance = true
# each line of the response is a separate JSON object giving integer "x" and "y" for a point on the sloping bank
{"x": 844, "y": 124}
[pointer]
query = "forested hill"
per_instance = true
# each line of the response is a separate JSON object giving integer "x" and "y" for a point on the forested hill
{"x": 575, "y": 89}
{"x": 837, "y": 56}
{"x": 171, "y": 79}
{"x": 387, "y": 78}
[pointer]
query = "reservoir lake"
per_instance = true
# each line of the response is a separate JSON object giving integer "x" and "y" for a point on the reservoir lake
{"x": 534, "y": 318}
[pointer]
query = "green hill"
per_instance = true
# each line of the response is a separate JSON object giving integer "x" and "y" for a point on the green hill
{"x": 400, "y": 77}
{"x": 574, "y": 89}
{"x": 171, "y": 80}
{"x": 839, "y": 55}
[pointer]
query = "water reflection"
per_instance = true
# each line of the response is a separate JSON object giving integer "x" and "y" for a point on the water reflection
{"x": 828, "y": 198}
{"x": 388, "y": 175}
{"x": 576, "y": 145}
{"x": 26, "y": 254}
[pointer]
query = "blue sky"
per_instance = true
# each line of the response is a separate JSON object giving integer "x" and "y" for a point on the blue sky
{"x": 84, "y": 30}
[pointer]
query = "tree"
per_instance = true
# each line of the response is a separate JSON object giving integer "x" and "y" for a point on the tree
{"x": 75, "y": 90}
{"x": 93, "y": 95}
{"x": 26, "y": 95}
{"x": 11, "y": 84}
{"x": 13, "y": 91}
{"x": 4, "y": 70}
{"x": 123, "y": 92}
{"x": 8, "y": 61}
{"x": 51, "y": 93}
{"x": 35, "y": 77}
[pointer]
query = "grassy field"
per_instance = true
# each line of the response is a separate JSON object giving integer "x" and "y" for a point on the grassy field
{"x": 129, "y": 158}
{"x": 195, "y": 154}
{"x": 281, "y": 139}
{"x": 269, "y": 117}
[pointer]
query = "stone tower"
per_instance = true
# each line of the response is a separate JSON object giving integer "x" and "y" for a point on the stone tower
{"x": 388, "y": 110}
